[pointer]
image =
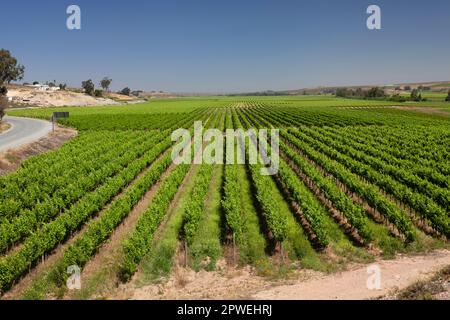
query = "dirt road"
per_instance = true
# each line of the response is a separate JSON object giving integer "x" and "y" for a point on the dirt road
{"x": 243, "y": 283}
{"x": 352, "y": 284}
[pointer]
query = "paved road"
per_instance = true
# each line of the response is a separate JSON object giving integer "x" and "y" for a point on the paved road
{"x": 23, "y": 131}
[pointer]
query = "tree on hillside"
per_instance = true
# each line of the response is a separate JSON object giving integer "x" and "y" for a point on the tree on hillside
{"x": 10, "y": 70}
{"x": 126, "y": 91}
{"x": 3, "y": 105}
{"x": 448, "y": 96}
{"x": 105, "y": 83}
{"x": 88, "y": 87}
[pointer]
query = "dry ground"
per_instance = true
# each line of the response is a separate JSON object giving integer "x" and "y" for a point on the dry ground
{"x": 4, "y": 126}
{"x": 243, "y": 283}
{"x": 29, "y": 96}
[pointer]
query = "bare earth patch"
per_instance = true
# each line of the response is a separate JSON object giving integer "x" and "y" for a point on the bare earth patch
{"x": 428, "y": 110}
{"x": 243, "y": 283}
{"x": 10, "y": 160}
{"x": 435, "y": 288}
{"x": 4, "y": 126}
{"x": 29, "y": 96}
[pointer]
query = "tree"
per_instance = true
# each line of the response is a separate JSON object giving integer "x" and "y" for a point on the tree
{"x": 105, "y": 83}
{"x": 375, "y": 92}
{"x": 88, "y": 87}
{"x": 415, "y": 95}
{"x": 3, "y": 105}
{"x": 342, "y": 92}
{"x": 448, "y": 96}
{"x": 359, "y": 93}
{"x": 98, "y": 93}
{"x": 126, "y": 91}
{"x": 10, "y": 70}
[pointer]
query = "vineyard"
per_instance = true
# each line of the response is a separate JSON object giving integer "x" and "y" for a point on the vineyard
{"x": 356, "y": 181}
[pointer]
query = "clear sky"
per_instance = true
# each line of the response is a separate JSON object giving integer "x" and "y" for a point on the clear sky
{"x": 229, "y": 45}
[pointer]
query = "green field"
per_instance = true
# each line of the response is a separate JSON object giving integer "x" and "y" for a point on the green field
{"x": 354, "y": 176}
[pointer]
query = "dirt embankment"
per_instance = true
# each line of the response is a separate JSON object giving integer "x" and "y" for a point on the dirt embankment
{"x": 4, "y": 126}
{"x": 243, "y": 283}
{"x": 30, "y": 96}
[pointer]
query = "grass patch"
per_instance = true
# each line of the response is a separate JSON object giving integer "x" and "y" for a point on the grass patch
{"x": 206, "y": 248}
{"x": 158, "y": 264}
{"x": 253, "y": 244}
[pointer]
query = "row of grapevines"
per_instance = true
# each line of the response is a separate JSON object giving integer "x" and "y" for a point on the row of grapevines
{"x": 312, "y": 210}
{"x": 43, "y": 178}
{"x": 18, "y": 262}
{"x": 424, "y": 206}
{"x": 418, "y": 143}
{"x": 414, "y": 149}
{"x": 231, "y": 202}
{"x": 26, "y": 189}
{"x": 80, "y": 252}
{"x": 276, "y": 223}
{"x": 138, "y": 243}
{"x": 366, "y": 191}
{"x": 401, "y": 174}
{"x": 395, "y": 154}
{"x": 194, "y": 209}
{"x": 26, "y": 222}
{"x": 124, "y": 122}
{"x": 354, "y": 213}
{"x": 425, "y": 169}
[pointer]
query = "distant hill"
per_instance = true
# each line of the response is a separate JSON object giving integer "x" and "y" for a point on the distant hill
{"x": 436, "y": 86}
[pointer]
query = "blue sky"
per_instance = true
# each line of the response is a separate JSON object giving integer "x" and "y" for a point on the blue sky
{"x": 229, "y": 45}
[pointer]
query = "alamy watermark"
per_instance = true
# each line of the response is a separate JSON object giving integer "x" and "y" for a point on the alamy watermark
{"x": 374, "y": 280}
{"x": 73, "y": 21}
{"x": 74, "y": 280}
{"x": 374, "y": 20}
{"x": 208, "y": 147}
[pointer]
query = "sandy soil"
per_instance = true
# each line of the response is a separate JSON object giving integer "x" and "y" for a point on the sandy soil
{"x": 352, "y": 284}
{"x": 243, "y": 283}
{"x": 119, "y": 97}
{"x": 29, "y": 96}
{"x": 436, "y": 287}
{"x": 10, "y": 160}
{"x": 4, "y": 126}
{"x": 428, "y": 110}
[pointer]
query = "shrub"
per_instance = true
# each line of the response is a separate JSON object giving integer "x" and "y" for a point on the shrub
{"x": 126, "y": 91}
{"x": 88, "y": 87}
{"x": 98, "y": 93}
